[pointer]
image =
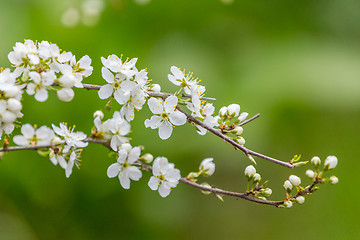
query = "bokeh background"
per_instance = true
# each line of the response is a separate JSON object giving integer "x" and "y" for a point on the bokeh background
{"x": 295, "y": 62}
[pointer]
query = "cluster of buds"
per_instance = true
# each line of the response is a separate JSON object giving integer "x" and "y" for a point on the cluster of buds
{"x": 206, "y": 169}
{"x": 229, "y": 120}
{"x": 257, "y": 190}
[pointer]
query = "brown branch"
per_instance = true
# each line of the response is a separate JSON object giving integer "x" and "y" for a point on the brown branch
{"x": 232, "y": 142}
{"x": 146, "y": 167}
{"x": 249, "y": 120}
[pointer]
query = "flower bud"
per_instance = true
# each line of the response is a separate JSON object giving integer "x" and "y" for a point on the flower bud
{"x": 334, "y": 180}
{"x": 67, "y": 81}
{"x": 56, "y": 141}
{"x": 250, "y": 171}
{"x": 156, "y": 88}
{"x": 288, "y": 186}
{"x": 148, "y": 158}
{"x": 295, "y": 180}
{"x": 207, "y": 167}
{"x": 243, "y": 116}
{"x": 126, "y": 146}
{"x": 310, "y": 173}
{"x": 99, "y": 114}
{"x": 267, "y": 192}
{"x": 256, "y": 177}
{"x": 316, "y": 161}
{"x": 207, "y": 186}
{"x": 14, "y": 105}
{"x": 300, "y": 199}
{"x": 330, "y": 162}
{"x": 288, "y": 204}
{"x": 233, "y": 110}
{"x": 238, "y": 130}
{"x": 65, "y": 94}
{"x": 241, "y": 141}
{"x": 223, "y": 111}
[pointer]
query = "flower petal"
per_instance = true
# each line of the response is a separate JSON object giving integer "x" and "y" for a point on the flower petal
{"x": 155, "y": 105}
{"x": 153, "y": 183}
{"x": 20, "y": 140}
{"x": 134, "y": 155}
{"x": 165, "y": 130}
{"x": 113, "y": 170}
{"x": 170, "y": 104}
{"x": 164, "y": 190}
{"x": 41, "y": 95}
{"x": 153, "y": 122}
{"x": 122, "y": 156}
{"x": 134, "y": 173}
{"x": 124, "y": 179}
{"x": 178, "y": 74}
{"x": 27, "y": 130}
{"x": 105, "y": 91}
{"x": 177, "y": 118}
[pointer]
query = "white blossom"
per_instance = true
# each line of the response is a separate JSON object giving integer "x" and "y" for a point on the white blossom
{"x": 32, "y": 136}
{"x": 257, "y": 177}
{"x": 300, "y": 199}
{"x": 116, "y": 65}
{"x": 124, "y": 168}
{"x": 166, "y": 115}
{"x": 40, "y": 83}
{"x": 288, "y": 204}
{"x": 180, "y": 79}
{"x": 207, "y": 167}
{"x": 72, "y": 139}
{"x": 234, "y": 110}
{"x": 119, "y": 127}
{"x": 316, "y": 161}
{"x": 165, "y": 176}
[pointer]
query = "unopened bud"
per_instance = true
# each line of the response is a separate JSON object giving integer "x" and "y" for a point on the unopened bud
{"x": 267, "y": 192}
{"x": 250, "y": 171}
{"x": 334, "y": 180}
{"x": 300, "y": 199}
{"x": 295, "y": 180}
{"x": 288, "y": 204}
{"x": 241, "y": 141}
{"x": 316, "y": 161}
{"x": 233, "y": 110}
{"x": 223, "y": 111}
{"x": 310, "y": 173}
{"x": 207, "y": 186}
{"x": 148, "y": 158}
{"x": 238, "y": 130}
{"x": 207, "y": 167}
{"x": 256, "y": 177}
{"x": 288, "y": 186}
{"x": 99, "y": 114}
{"x": 156, "y": 88}
{"x": 330, "y": 162}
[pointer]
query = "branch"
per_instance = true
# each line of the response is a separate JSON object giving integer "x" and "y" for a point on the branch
{"x": 146, "y": 167}
{"x": 232, "y": 142}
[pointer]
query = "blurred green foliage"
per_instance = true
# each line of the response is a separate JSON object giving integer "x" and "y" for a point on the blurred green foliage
{"x": 295, "y": 62}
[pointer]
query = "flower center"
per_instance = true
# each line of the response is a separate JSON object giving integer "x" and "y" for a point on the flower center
{"x": 164, "y": 116}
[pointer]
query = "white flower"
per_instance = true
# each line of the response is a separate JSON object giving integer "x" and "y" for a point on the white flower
{"x": 238, "y": 130}
{"x": 119, "y": 127}
{"x": 310, "y": 173}
{"x": 58, "y": 159}
{"x": 116, "y": 65}
{"x": 243, "y": 116}
{"x": 14, "y": 105}
{"x": 209, "y": 120}
{"x": 136, "y": 100}
{"x": 39, "y": 84}
{"x": 73, "y": 160}
{"x": 69, "y": 77}
{"x": 24, "y": 53}
{"x": 250, "y": 171}
{"x": 330, "y": 162}
{"x": 288, "y": 186}
{"x": 166, "y": 176}
{"x": 30, "y": 136}
{"x": 315, "y": 161}
{"x": 123, "y": 167}
{"x": 300, "y": 199}
{"x": 207, "y": 167}
{"x": 223, "y": 111}
{"x": 156, "y": 88}
{"x": 295, "y": 180}
{"x": 72, "y": 139}
{"x": 148, "y": 158}
{"x": 334, "y": 180}
{"x": 83, "y": 66}
{"x": 167, "y": 115}
{"x": 180, "y": 79}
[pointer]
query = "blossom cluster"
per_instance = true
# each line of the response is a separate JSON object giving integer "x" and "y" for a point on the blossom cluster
{"x": 258, "y": 190}
{"x": 10, "y": 101}
{"x": 43, "y": 65}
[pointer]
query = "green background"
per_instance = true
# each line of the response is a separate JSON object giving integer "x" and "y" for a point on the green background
{"x": 295, "y": 62}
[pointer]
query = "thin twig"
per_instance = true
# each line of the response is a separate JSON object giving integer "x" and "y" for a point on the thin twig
{"x": 249, "y": 120}
{"x": 232, "y": 142}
